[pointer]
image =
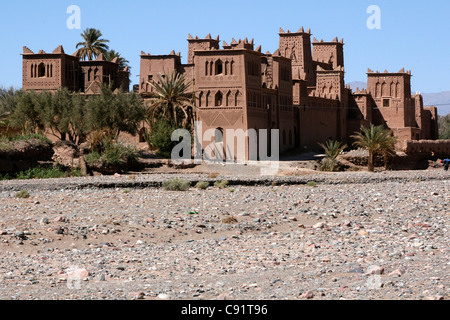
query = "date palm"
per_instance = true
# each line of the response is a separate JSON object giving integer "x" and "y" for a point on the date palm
{"x": 92, "y": 46}
{"x": 110, "y": 55}
{"x": 171, "y": 99}
{"x": 375, "y": 139}
{"x": 332, "y": 149}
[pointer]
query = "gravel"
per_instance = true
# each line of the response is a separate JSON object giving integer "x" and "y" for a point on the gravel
{"x": 354, "y": 235}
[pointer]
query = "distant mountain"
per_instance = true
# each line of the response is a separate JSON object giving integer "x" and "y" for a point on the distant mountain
{"x": 439, "y": 99}
{"x": 357, "y": 84}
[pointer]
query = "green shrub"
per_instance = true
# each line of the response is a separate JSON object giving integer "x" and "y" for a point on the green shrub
{"x": 328, "y": 164}
{"x": 311, "y": 184}
{"x": 221, "y": 184}
{"x": 176, "y": 184}
{"x": 42, "y": 173}
{"x": 444, "y": 127}
{"x": 92, "y": 157}
{"x": 160, "y": 138}
{"x": 202, "y": 185}
{"x": 7, "y": 143}
{"x": 22, "y": 194}
{"x": 113, "y": 153}
{"x": 117, "y": 152}
{"x": 332, "y": 150}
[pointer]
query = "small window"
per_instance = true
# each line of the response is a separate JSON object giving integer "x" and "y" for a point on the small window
{"x": 386, "y": 103}
{"x": 41, "y": 70}
{"x": 150, "y": 78}
{"x": 219, "y": 99}
{"x": 219, "y": 67}
{"x": 200, "y": 98}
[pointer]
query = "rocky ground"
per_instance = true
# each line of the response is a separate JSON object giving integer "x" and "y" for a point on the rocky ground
{"x": 349, "y": 235}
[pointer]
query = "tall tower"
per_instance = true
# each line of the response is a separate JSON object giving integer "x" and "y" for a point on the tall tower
{"x": 297, "y": 47}
{"x": 329, "y": 52}
{"x": 201, "y": 44}
{"x": 391, "y": 92}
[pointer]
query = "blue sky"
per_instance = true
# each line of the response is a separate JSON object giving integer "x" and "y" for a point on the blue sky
{"x": 413, "y": 34}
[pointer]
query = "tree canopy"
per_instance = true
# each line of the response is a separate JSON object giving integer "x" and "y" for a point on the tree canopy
{"x": 92, "y": 46}
{"x": 73, "y": 116}
{"x": 375, "y": 139}
{"x": 171, "y": 96}
{"x": 444, "y": 127}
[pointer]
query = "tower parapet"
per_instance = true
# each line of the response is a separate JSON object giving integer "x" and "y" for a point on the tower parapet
{"x": 208, "y": 43}
{"x": 297, "y": 47}
{"x": 329, "y": 52}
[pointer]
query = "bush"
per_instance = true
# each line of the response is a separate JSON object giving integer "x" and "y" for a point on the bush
{"x": 332, "y": 150}
{"x": 221, "y": 184}
{"x": 7, "y": 143}
{"x": 444, "y": 127}
{"x": 328, "y": 164}
{"x": 311, "y": 184}
{"x": 202, "y": 185}
{"x": 176, "y": 184}
{"x": 37, "y": 136}
{"x": 22, "y": 194}
{"x": 113, "y": 153}
{"x": 160, "y": 138}
{"x": 42, "y": 173}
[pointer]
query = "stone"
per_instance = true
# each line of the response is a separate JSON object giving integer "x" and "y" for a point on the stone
{"x": 363, "y": 233}
{"x": 319, "y": 225}
{"x": 375, "y": 270}
{"x": 60, "y": 219}
{"x": 396, "y": 272}
{"x": 163, "y": 296}
{"x": 307, "y": 295}
{"x": 136, "y": 295}
{"x": 78, "y": 274}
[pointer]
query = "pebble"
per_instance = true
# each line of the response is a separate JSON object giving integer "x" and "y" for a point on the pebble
{"x": 158, "y": 249}
{"x": 375, "y": 270}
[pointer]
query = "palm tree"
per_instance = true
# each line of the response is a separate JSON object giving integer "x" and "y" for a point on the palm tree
{"x": 375, "y": 139}
{"x": 332, "y": 150}
{"x": 92, "y": 46}
{"x": 110, "y": 55}
{"x": 171, "y": 95}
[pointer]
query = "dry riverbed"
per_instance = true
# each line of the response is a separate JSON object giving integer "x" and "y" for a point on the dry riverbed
{"x": 346, "y": 236}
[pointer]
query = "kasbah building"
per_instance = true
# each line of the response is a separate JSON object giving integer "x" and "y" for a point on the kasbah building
{"x": 299, "y": 89}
